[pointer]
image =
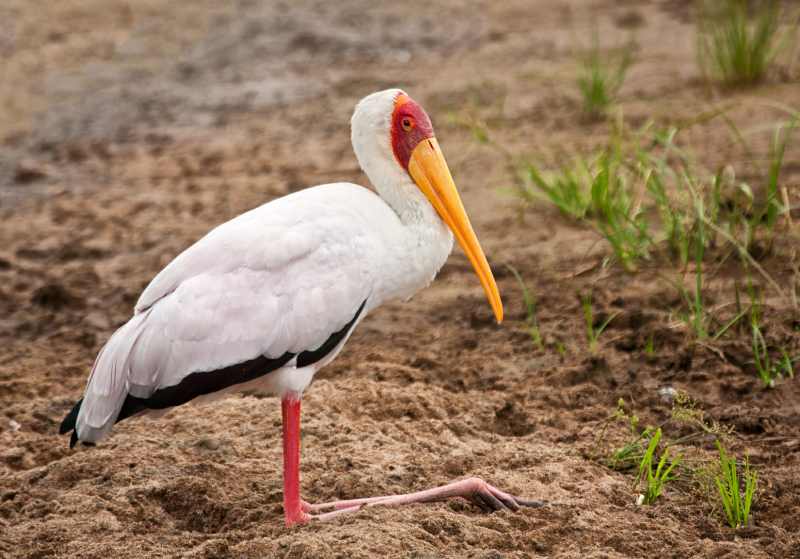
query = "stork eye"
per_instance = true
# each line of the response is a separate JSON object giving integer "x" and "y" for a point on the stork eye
{"x": 407, "y": 124}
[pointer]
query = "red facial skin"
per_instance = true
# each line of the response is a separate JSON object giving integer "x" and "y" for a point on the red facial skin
{"x": 410, "y": 125}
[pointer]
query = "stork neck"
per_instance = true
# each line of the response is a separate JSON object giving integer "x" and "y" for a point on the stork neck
{"x": 420, "y": 243}
{"x": 408, "y": 202}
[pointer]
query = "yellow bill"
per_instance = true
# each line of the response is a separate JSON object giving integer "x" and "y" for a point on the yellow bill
{"x": 429, "y": 170}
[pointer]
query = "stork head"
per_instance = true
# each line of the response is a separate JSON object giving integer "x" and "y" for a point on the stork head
{"x": 395, "y": 145}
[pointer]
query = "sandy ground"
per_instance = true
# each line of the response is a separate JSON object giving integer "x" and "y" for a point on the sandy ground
{"x": 130, "y": 129}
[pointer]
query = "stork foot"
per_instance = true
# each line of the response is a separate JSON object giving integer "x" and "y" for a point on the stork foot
{"x": 474, "y": 489}
{"x": 304, "y": 517}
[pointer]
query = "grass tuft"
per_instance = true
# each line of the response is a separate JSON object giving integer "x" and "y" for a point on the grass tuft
{"x": 735, "y": 503}
{"x": 593, "y": 331}
{"x": 617, "y": 212}
{"x": 769, "y": 370}
{"x": 600, "y": 77}
{"x": 600, "y": 189}
{"x": 656, "y": 476}
{"x": 569, "y": 190}
{"x": 739, "y": 40}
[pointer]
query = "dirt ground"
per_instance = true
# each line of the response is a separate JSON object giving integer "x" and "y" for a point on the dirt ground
{"x": 129, "y": 129}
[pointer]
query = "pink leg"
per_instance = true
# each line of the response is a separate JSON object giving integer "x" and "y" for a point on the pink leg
{"x": 292, "y": 507}
{"x": 473, "y": 489}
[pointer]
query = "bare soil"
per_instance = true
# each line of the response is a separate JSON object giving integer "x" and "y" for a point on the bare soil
{"x": 130, "y": 129}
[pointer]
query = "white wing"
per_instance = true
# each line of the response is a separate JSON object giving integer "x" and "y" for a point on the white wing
{"x": 280, "y": 278}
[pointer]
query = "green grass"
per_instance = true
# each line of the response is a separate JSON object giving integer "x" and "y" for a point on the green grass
{"x": 769, "y": 370}
{"x": 720, "y": 480}
{"x": 675, "y": 222}
{"x": 569, "y": 189}
{"x": 605, "y": 190}
{"x": 530, "y": 309}
{"x": 650, "y": 346}
{"x": 772, "y": 206}
{"x": 698, "y": 317}
{"x": 617, "y": 212}
{"x": 738, "y": 40}
{"x": 787, "y": 363}
{"x": 631, "y": 453}
{"x": 759, "y": 217}
{"x": 600, "y": 78}
{"x": 593, "y": 332}
{"x": 601, "y": 191}
{"x": 656, "y": 475}
{"x": 646, "y": 197}
{"x": 736, "y": 495}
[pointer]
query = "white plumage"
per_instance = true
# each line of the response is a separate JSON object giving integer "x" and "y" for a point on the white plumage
{"x": 280, "y": 278}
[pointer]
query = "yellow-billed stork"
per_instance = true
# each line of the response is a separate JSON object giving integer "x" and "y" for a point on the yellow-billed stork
{"x": 270, "y": 297}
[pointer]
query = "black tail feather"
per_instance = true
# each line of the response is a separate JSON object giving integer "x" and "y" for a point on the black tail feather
{"x": 69, "y": 425}
{"x": 131, "y": 407}
{"x": 69, "y": 421}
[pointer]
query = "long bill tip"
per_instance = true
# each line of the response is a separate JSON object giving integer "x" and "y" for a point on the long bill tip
{"x": 492, "y": 292}
{"x": 498, "y": 314}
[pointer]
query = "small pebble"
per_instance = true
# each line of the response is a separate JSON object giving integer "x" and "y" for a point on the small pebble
{"x": 667, "y": 394}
